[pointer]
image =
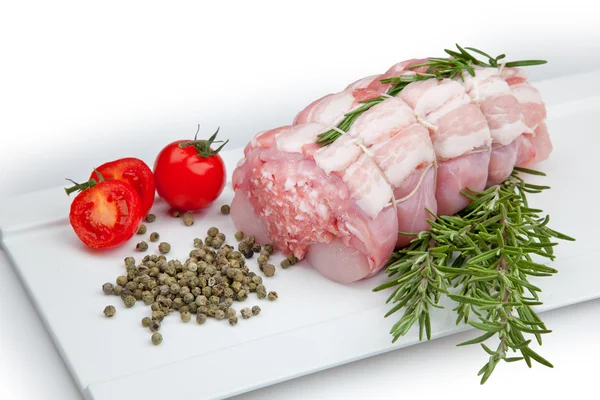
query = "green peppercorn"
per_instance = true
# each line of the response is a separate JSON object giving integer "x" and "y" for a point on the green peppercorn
{"x": 272, "y": 296}
{"x": 175, "y": 288}
{"x": 200, "y": 318}
{"x": 146, "y": 322}
{"x": 256, "y": 248}
{"x": 110, "y": 311}
{"x": 248, "y": 253}
{"x": 175, "y": 213}
{"x": 217, "y": 243}
{"x": 268, "y": 270}
{"x": 292, "y": 259}
{"x": 157, "y": 338}
{"x": 122, "y": 280}
{"x": 261, "y": 291}
{"x": 131, "y": 286}
{"x": 231, "y": 312}
{"x": 246, "y": 313}
{"x": 212, "y": 309}
{"x": 207, "y": 291}
{"x": 256, "y": 310}
{"x": 285, "y": 263}
{"x": 188, "y": 298}
{"x": 164, "y": 247}
{"x": 201, "y": 300}
{"x": 233, "y": 320}
{"x": 186, "y": 316}
{"x": 108, "y": 288}
{"x": 141, "y": 229}
{"x": 118, "y": 290}
{"x": 208, "y": 241}
{"x": 252, "y": 286}
{"x": 177, "y": 303}
{"x": 184, "y": 309}
{"x": 129, "y": 301}
{"x": 219, "y": 314}
{"x": 269, "y": 248}
{"x": 197, "y": 243}
{"x": 155, "y": 325}
{"x": 212, "y": 231}
{"x": 129, "y": 261}
{"x": 158, "y": 316}
{"x": 147, "y": 298}
{"x": 236, "y": 286}
{"x": 150, "y": 218}
{"x": 228, "y": 302}
{"x": 241, "y": 295}
{"x": 228, "y": 292}
{"x": 225, "y": 209}
{"x": 262, "y": 260}
{"x": 154, "y": 237}
{"x": 193, "y": 267}
{"x": 257, "y": 279}
{"x": 141, "y": 246}
{"x": 214, "y": 300}
{"x": 202, "y": 310}
{"x": 188, "y": 219}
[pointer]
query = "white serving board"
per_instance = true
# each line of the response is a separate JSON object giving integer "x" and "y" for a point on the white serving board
{"x": 315, "y": 324}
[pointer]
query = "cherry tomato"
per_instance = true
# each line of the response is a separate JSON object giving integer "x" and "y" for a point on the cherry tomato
{"x": 190, "y": 175}
{"x": 105, "y": 214}
{"x": 133, "y": 171}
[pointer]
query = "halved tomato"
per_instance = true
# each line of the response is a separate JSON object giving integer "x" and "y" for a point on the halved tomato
{"x": 134, "y": 172}
{"x": 105, "y": 214}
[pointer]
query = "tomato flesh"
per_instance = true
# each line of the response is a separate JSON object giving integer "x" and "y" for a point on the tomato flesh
{"x": 134, "y": 172}
{"x": 186, "y": 180}
{"x": 106, "y": 215}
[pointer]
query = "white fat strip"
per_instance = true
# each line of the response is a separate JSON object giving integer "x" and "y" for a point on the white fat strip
{"x": 382, "y": 121}
{"x": 491, "y": 87}
{"x": 396, "y": 173}
{"x": 368, "y": 186}
{"x": 525, "y": 93}
{"x": 331, "y": 109}
{"x": 295, "y": 137}
{"x": 452, "y": 105}
{"x": 457, "y": 145}
{"x": 337, "y": 156}
{"x": 437, "y": 96}
{"x": 509, "y": 132}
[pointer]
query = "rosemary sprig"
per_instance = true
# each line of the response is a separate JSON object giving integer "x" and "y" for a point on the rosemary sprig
{"x": 459, "y": 62}
{"x": 484, "y": 255}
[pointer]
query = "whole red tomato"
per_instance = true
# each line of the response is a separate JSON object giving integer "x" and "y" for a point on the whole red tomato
{"x": 189, "y": 174}
{"x": 133, "y": 171}
{"x": 105, "y": 214}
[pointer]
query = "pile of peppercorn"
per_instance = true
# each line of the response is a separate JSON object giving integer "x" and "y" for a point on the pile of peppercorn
{"x": 207, "y": 284}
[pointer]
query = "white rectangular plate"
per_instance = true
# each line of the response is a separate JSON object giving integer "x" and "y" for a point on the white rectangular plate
{"x": 315, "y": 324}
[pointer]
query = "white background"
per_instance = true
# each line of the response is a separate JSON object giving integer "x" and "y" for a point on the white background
{"x": 85, "y": 82}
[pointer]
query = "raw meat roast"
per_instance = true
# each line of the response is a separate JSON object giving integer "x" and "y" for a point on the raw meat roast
{"x": 341, "y": 207}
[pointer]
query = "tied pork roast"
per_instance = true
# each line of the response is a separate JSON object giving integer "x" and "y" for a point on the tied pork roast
{"x": 341, "y": 207}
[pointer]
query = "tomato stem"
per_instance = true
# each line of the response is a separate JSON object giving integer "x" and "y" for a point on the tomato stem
{"x": 203, "y": 146}
{"x": 80, "y": 186}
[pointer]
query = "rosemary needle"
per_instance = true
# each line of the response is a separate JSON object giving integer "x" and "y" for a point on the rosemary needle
{"x": 486, "y": 254}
